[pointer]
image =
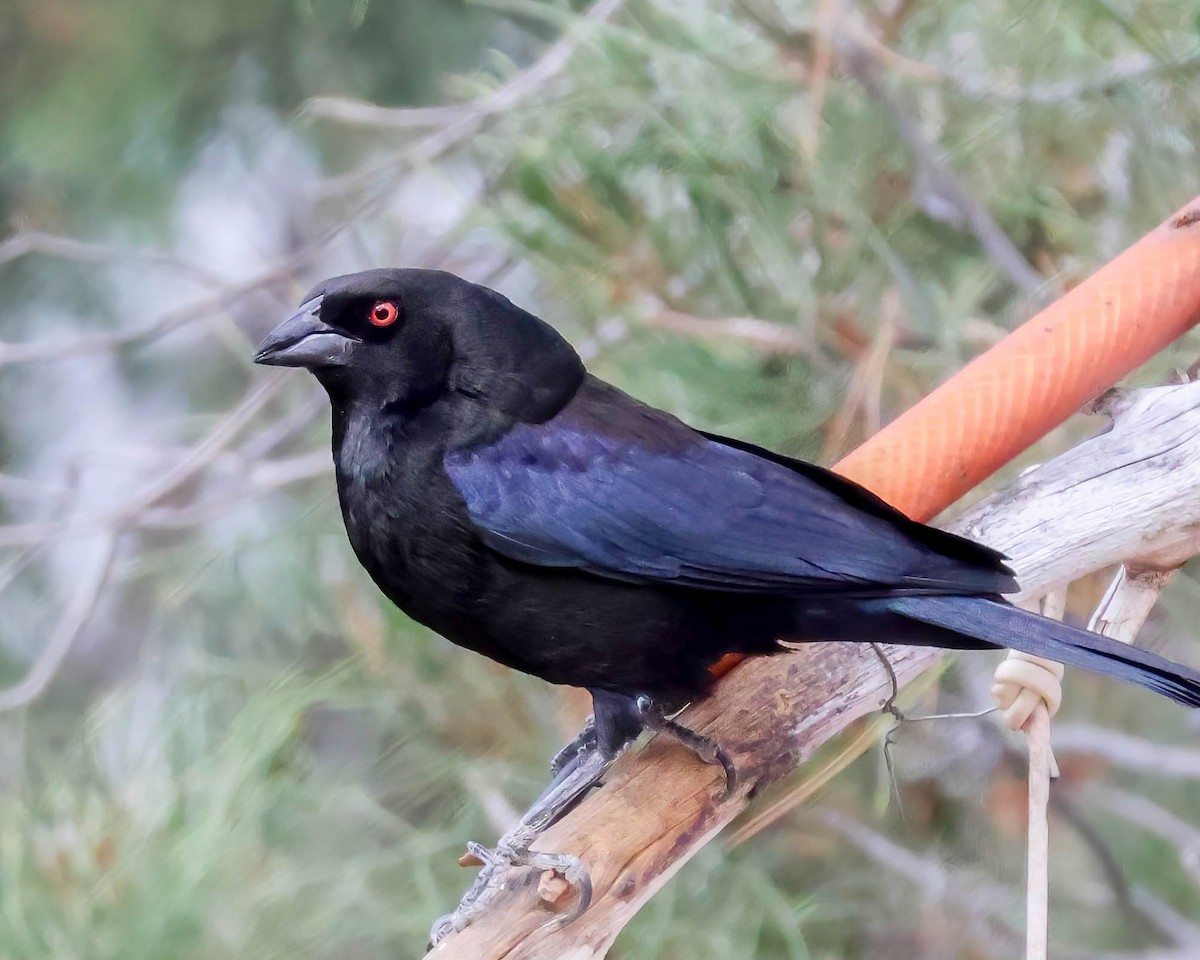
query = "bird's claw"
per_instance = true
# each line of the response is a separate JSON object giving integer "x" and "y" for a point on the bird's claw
{"x": 442, "y": 928}
{"x": 509, "y": 855}
{"x": 574, "y": 871}
{"x": 731, "y": 775}
{"x": 706, "y": 748}
{"x": 480, "y": 892}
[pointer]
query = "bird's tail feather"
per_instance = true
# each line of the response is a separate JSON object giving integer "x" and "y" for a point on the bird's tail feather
{"x": 999, "y": 623}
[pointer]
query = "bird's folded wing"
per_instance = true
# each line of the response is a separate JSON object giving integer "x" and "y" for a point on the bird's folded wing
{"x": 703, "y": 513}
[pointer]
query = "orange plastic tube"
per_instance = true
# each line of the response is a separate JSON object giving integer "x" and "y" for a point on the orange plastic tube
{"x": 1035, "y": 378}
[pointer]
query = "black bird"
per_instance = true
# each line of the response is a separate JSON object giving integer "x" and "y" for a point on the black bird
{"x": 498, "y": 493}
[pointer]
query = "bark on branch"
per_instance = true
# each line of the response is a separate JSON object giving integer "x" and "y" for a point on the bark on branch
{"x": 1130, "y": 494}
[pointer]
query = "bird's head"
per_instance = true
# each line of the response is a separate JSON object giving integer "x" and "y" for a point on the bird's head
{"x": 408, "y": 338}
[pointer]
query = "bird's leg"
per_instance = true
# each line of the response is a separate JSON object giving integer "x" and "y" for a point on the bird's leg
{"x": 585, "y": 740}
{"x": 616, "y": 721}
{"x": 703, "y": 747}
{"x": 577, "y": 775}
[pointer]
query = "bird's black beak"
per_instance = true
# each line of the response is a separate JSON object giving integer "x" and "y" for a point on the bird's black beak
{"x": 303, "y": 340}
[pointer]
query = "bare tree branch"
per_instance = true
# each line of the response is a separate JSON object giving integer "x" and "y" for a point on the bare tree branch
{"x": 937, "y": 189}
{"x": 29, "y": 242}
{"x": 40, "y": 351}
{"x": 983, "y": 904}
{"x": 1129, "y": 752}
{"x": 763, "y": 334}
{"x": 659, "y": 807}
{"x": 1145, "y": 813}
{"x": 79, "y": 610}
{"x": 457, "y": 123}
{"x": 186, "y": 469}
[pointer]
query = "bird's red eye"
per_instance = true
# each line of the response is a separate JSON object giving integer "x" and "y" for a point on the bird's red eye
{"x": 384, "y": 313}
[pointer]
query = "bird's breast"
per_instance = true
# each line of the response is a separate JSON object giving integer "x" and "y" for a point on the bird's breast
{"x": 408, "y": 532}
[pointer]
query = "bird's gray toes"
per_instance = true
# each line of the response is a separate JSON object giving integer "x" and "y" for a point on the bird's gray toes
{"x": 442, "y": 928}
{"x": 564, "y": 874}
{"x": 491, "y": 863}
{"x": 574, "y": 877}
{"x": 731, "y": 775}
{"x": 703, "y": 747}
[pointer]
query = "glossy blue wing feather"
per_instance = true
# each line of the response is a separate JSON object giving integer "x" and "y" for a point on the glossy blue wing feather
{"x": 694, "y": 512}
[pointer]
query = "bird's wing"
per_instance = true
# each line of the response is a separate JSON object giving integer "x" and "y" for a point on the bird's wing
{"x": 649, "y": 500}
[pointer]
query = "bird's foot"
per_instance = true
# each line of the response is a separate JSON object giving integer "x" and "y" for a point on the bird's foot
{"x": 703, "y": 747}
{"x": 509, "y": 855}
{"x": 577, "y": 776}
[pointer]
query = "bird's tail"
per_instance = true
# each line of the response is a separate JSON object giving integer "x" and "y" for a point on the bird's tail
{"x": 996, "y": 622}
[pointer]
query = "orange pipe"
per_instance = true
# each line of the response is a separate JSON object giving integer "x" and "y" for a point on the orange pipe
{"x": 1035, "y": 378}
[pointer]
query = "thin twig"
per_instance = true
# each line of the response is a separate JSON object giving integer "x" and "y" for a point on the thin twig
{"x": 39, "y": 351}
{"x": 982, "y": 902}
{"x": 1128, "y": 751}
{"x": 28, "y": 242}
{"x": 764, "y": 334}
{"x": 378, "y": 180}
{"x": 1182, "y": 835}
{"x": 937, "y": 190}
{"x": 193, "y": 463}
{"x": 79, "y": 610}
{"x": 263, "y": 478}
{"x": 460, "y": 122}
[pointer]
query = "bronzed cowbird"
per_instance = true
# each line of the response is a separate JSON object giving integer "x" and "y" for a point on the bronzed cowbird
{"x": 498, "y": 493}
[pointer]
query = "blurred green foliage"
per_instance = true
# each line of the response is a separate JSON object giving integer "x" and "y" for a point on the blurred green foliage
{"x": 106, "y": 103}
{"x": 250, "y": 751}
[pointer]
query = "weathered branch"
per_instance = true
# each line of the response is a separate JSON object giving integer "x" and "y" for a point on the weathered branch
{"x": 455, "y": 124}
{"x": 1127, "y": 494}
